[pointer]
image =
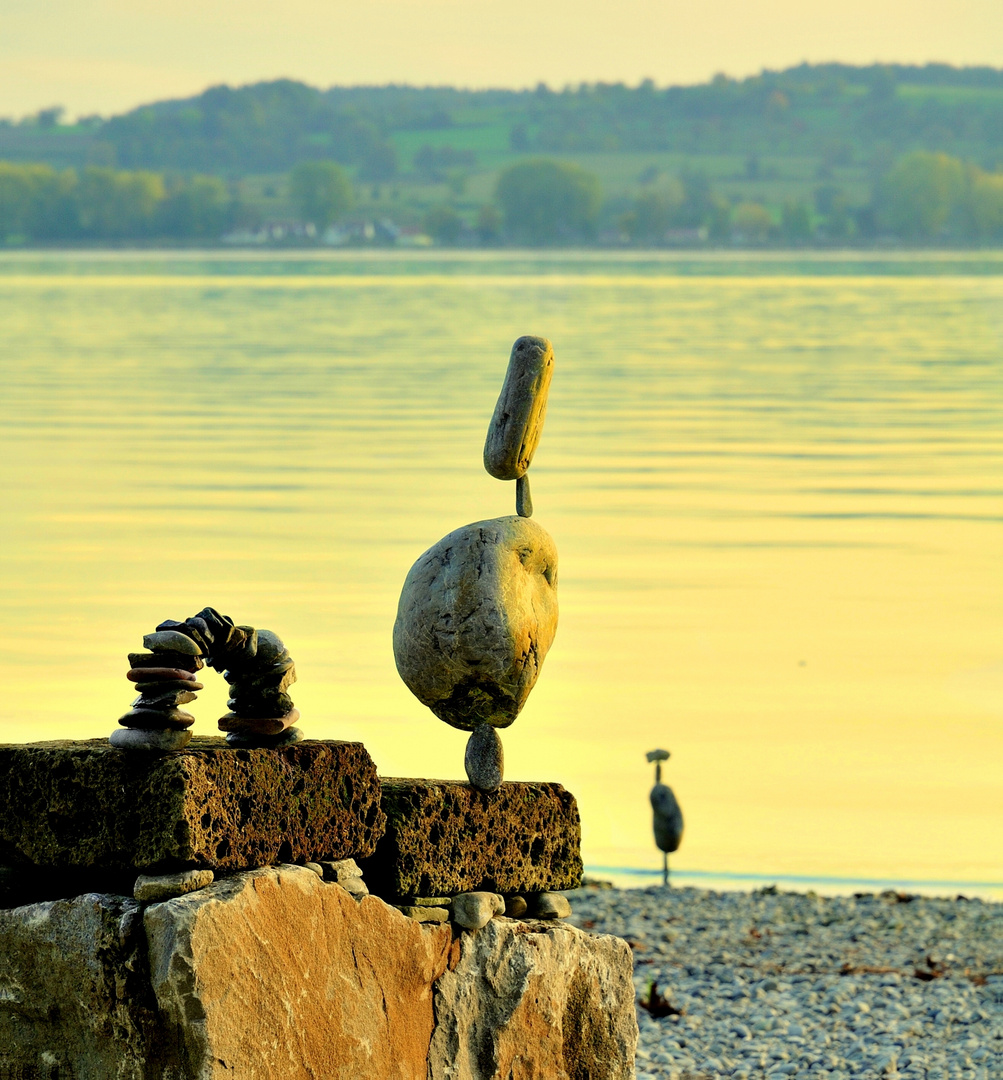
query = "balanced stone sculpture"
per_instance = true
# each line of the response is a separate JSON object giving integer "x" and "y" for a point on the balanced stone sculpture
{"x": 255, "y": 663}
{"x": 478, "y": 611}
{"x": 667, "y": 816}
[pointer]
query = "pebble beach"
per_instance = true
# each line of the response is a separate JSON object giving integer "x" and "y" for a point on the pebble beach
{"x": 776, "y": 984}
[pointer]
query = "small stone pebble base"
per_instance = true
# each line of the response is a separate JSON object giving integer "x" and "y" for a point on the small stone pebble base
{"x": 771, "y": 986}
{"x": 88, "y": 805}
{"x": 445, "y": 838}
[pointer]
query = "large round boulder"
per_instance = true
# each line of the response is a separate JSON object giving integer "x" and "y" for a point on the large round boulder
{"x": 477, "y": 614}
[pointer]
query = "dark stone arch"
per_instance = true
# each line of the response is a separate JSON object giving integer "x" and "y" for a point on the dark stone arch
{"x": 255, "y": 663}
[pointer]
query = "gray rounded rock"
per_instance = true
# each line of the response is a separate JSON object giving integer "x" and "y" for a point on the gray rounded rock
{"x": 516, "y": 907}
{"x": 472, "y": 910}
{"x": 667, "y": 818}
{"x": 144, "y": 739}
{"x": 547, "y": 905}
{"x": 477, "y": 615}
{"x": 484, "y": 758}
{"x": 171, "y": 641}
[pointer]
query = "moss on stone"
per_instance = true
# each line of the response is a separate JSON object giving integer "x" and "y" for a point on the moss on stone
{"x": 444, "y": 837}
{"x": 85, "y": 804}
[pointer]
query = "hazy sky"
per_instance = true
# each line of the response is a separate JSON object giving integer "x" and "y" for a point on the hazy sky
{"x": 108, "y": 55}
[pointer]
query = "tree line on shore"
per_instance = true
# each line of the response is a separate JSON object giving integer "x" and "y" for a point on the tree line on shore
{"x": 40, "y": 203}
{"x": 923, "y": 197}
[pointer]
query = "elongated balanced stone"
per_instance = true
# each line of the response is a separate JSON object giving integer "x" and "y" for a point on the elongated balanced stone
{"x": 476, "y": 617}
{"x": 517, "y": 423}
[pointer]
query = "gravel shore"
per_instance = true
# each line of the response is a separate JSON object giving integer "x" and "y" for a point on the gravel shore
{"x": 773, "y": 984}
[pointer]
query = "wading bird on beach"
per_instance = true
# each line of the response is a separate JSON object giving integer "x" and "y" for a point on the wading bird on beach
{"x": 668, "y": 818}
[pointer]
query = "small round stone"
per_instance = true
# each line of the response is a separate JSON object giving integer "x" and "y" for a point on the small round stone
{"x": 166, "y": 659}
{"x": 355, "y": 886}
{"x": 145, "y": 739}
{"x": 547, "y": 905}
{"x": 158, "y": 674}
{"x": 515, "y": 906}
{"x": 247, "y": 740}
{"x": 171, "y": 641}
{"x": 157, "y": 719}
{"x": 484, "y": 759}
{"x": 168, "y": 686}
{"x": 164, "y": 699}
{"x": 472, "y": 910}
{"x": 258, "y": 725}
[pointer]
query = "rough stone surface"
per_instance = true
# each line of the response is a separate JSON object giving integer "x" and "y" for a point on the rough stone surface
{"x": 476, "y": 617}
{"x": 472, "y": 910}
{"x": 85, "y": 804}
{"x": 537, "y": 1001}
{"x": 152, "y": 889}
{"x": 444, "y": 838}
{"x": 339, "y": 989}
{"x": 517, "y": 422}
{"x": 74, "y": 997}
{"x": 484, "y": 758}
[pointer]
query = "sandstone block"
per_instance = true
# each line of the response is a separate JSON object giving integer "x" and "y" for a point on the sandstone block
{"x": 476, "y": 617}
{"x": 538, "y": 1001}
{"x": 74, "y": 1000}
{"x": 444, "y": 838}
{"x": 339, "y": 988}
{"x": 86, "y": 804}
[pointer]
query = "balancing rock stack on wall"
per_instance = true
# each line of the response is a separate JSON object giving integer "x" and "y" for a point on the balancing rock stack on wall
{"x": 264, "y": 906}
{"x": 478, "y": 611}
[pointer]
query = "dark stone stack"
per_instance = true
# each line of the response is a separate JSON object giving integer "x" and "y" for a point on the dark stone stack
{"x": 165, "y": 679}
{"x": 258, "y": 668}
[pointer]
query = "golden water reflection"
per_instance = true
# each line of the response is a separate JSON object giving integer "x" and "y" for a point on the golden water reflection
{"x": 777, "y": 490}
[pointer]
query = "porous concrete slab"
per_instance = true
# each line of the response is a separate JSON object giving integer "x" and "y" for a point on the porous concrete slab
{"x": 88, "y": 805}
{"x": 444, "y": 838}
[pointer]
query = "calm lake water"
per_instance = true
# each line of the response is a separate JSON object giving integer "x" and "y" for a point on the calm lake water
{"x": 776, "y": 486}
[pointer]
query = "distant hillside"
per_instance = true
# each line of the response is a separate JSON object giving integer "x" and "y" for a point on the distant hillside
{"x": 815, "y": 155}
{"x": 832, "y": 112}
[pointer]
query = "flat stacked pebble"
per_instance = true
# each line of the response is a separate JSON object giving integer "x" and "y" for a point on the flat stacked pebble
{"x": 771, "y": 984}
{"x": 165, "y": 679}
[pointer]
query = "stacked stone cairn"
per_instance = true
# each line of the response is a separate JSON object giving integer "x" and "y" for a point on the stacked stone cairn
{"x": 477, "y": 615}
{"x": 478, "y": 610}
{"x": 166, "y": 679}
{"x": 255, "y": 663}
